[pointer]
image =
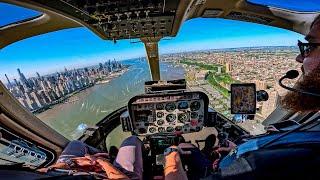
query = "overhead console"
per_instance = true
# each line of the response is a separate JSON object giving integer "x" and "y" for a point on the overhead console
{"x": 126, "y": 19}
{"x": 168, "y": 113}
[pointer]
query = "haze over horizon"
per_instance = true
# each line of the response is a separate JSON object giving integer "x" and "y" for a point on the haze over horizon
{"x": 80, "y": 47}
{"x": 62, "y": 68}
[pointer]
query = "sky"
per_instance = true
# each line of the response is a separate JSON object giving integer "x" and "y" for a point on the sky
{"x": 80, "y": 47}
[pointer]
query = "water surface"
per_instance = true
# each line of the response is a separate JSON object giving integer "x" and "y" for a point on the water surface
{"x": 94, "y": 103}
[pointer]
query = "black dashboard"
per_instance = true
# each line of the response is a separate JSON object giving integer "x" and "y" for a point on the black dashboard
{"x": 171, "y": 113}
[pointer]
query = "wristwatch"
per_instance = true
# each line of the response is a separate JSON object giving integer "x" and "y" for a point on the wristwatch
{"x": 169, "y": 150}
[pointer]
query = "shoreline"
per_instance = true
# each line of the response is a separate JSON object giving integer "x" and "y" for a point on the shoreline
{"x": 43, "y": 116}
{"x": 64, "y": 100}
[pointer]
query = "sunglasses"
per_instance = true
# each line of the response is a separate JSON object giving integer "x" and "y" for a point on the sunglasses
{"x": 306, "y": 48}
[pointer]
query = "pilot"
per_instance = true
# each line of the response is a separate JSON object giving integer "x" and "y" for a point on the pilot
{"x": 215, "y": 153}
{"x": 310, "y": 80}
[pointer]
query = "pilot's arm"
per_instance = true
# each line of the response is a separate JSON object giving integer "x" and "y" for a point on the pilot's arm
{"x": 173, "y": 166}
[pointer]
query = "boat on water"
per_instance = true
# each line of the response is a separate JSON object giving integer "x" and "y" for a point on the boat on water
{"x": 103, "y": 81}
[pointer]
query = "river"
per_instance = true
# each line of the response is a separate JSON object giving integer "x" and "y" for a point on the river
{"x": 93, "y": 104}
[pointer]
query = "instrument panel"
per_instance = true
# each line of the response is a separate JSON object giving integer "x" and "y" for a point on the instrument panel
{"x": 173, "y": 113}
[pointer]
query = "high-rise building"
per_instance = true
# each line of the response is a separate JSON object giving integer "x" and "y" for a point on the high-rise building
{"x": 228, "y": 67}
{"x": 23, "y": 79}
{"x": 261, "y": 85}
{"x": 16, "y": 82}
{"x": 9, "y": 83}
{"x": 219, "y": 70}
{"x": 100, "y": 66}
{"x": 38, "y": 75}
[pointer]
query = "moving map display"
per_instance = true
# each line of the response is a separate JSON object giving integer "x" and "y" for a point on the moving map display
{"x": 243, "y": 98}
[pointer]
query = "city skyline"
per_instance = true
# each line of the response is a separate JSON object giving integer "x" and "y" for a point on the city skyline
{"x": 19, "y": 73}
{"x": 41, "y": 92}
{"x": 3, "y": 77}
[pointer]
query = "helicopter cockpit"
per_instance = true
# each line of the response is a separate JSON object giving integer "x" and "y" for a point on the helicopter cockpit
{"x": 168, "y": 112}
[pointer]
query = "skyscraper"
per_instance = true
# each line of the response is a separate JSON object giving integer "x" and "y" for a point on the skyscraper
{"x": 38, "y": 75}
{"x": 23, "y": 79}
{"x": 9, "y": 83}
{"x": 100, "y": 66}
{"x": 228, "y": 67}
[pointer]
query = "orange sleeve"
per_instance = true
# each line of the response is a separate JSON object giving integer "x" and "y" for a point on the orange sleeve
{"x": 173, "y": 167}
{"x": 111, "y": 171}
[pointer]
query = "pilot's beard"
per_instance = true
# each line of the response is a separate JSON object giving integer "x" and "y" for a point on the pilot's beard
{"x": 299, "y": 102}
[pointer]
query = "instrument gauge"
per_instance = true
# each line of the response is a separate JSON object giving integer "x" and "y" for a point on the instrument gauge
{"x": 195, "y": 106}
{"x": 152, "y": 129}
{"x": 159, "y": 107}
{"x": 170, "y": 107}
{"x": 170, "y": 129}
{"x": 160, "y": 122}
{"x": 183, "y": 105}
{"x": 171, "y": 117}
{"x": 161, "y": 129}
{"x": 183, "y": 117}
{"x": 194, "y": 115}
{"x": 160, "y": 114}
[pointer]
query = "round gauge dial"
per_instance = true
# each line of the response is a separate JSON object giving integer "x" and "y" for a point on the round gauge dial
{"x": 161, "y": 129}
{"x": 160, "y": 122}
{"x": 159, "y": 106}
{"x": 183, "y": 117}
{"x": 171, "y": 117}
{"x": 152, "y": 129}
{"x": 195, "y": 106}
{"x": 170, "y": 107}
{"x": 170, "y": 129}
{"x": 183, "y": 105}
{"x": 160, "y": 114}
{"x": 194, "y": 115}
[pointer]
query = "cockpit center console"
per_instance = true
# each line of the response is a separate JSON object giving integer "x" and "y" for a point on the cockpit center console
{"x": 159, "y": 118}
{"x": 168, "y": 113}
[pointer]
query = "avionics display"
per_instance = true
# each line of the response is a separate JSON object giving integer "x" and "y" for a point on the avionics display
{"x": 168, "y": 113}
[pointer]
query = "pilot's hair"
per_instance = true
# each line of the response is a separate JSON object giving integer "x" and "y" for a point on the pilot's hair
{"x": 317, "y": 19}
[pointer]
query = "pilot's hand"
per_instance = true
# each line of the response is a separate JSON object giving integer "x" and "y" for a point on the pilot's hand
{"x": 229, "y": 148}
{"x": 231, "y": 144}
{"x": 176, "y": 149}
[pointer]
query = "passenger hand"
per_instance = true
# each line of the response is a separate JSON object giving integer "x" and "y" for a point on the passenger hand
{"x": 91, "y": 159}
